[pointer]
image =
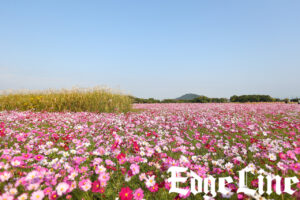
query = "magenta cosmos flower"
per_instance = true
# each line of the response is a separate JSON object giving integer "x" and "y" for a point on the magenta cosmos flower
{"x": 96, "y": 187}
{"x": 126, "y": 194}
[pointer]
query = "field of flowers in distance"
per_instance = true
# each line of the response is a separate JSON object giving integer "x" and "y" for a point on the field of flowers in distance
{"x": 84, "y": 155}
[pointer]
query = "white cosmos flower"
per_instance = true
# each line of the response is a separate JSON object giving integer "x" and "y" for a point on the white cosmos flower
{"x": 272, "y": 157}
{"x": 127, "y": 178}
{"x": 228, "y": 165}
{"x": 73, "y": 151}
{"x": 100, "y": 169}
{"x": 150, "y": 181}
{"x": 62, "y": 188}
{"x": 23, "y": 196}
{"x": 13, "y": 191}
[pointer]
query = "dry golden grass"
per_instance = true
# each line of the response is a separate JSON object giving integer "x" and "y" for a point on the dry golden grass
{"x": 75, "y": 100}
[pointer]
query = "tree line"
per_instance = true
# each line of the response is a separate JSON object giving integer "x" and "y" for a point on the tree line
{"x": 200, "y": 99}
{"x": 205, "y": 99}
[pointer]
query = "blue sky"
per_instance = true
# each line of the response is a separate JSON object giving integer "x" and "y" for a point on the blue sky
{"x": 155, "y": 48}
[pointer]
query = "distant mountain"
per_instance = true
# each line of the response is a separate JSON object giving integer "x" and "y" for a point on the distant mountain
{"x": 189, "y": 96}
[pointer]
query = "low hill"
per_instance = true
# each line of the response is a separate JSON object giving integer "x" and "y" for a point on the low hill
{"x": 189, "y": 96}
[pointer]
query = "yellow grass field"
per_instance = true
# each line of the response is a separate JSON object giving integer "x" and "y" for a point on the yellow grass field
{"x": 75, "y": 100}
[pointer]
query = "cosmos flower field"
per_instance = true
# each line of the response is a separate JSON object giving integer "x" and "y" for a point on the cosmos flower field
{"x": 126, "y": 156}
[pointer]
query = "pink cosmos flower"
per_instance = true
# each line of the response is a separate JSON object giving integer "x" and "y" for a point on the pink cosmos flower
{"x": 135, "y": 169}
{"x": 79, "y": 160}
{"x": 103, "y": 177}
{"x": 47, "y": 190}
{"x": 241, "y": 196}
{"x": 122, "y": 160}
{"x": 38, "y": 195}
{"x": 26, "y": 156}
{"x": 100, "y": 169}
{"x": 85, "y": 184}
{"x": 73, "y": 185}
{"x": 138, "y": 194}
{"x": 291, "y": 155}
{"x": 167, "y": 185}
{"x": 39, "y": 157}
{"x": 297, "y": 150}
{"x": 142, "y": 176}
{"x": 115, "y": 145}
{"x": 292, "y": 133}
{"x": 53, "y": 196}
{"x": 6, "y": 196}
{"x": 109, "y": 162}
{"x": 282, "y": 156}
{"x": 83, "y": 169}
{"x": 16, "y": 162}
{"x": 154, "y": 188}
{"x": 103, "y": 184}
{"x": 295, "y": 167}
{"x": 4, "y": 176}
{"x": 97, "y": 161}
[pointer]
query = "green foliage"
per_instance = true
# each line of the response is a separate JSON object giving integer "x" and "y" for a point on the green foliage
{"x": 173, "y": 101}
{"x": 75, "y": 100}
{"x": 141, "y": 100}
{"x": 286, "y": 100}
{"x": 199, "y": 99}
{"x": 297, "y": 100}
{"x": 252, "y": 98}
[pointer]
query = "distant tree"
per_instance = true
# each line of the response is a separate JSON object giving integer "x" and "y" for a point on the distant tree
{"x": 201, "y": 99}
{"x": 234, "y": 98}
{"x": 286, "y": 100}
{"x": 218, "y": 100}
{"x": 252, "y": 98}
{"x": 295, "y": 100}
{"x": 141, "y": 100}
{"x": 169, "y": 101}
